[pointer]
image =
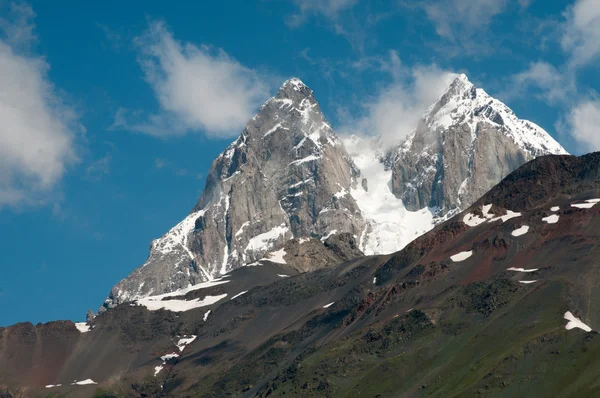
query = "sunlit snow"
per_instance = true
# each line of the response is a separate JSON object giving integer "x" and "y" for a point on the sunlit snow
{"x": 575, "y": 323}
{"x": 553, "y": 219}
{"x": 328, "y": 305}
{"x": 185, "y": 341}
{"x": 528, "y": 282}
{"x": 83, "y": 382}
{"x": 389, "y": 225}
{"x": 588, "y": 205}
{"x": 473, "y": 220}
{"x": 83, "y": 327}
{"x": 265, "y": 241}
{"x": 555, "y": 208}
{"x": 239, "y": 294}
{"x": 462, "y": 256}
{"x": 522, "y": 269}
{"x": 520, "y": 231}
{"x": 277, "y": 256}
{"x": 206, "y": 314}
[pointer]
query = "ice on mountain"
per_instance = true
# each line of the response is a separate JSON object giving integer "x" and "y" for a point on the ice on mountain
{"x": 522, "y": 269}
{"x": 185, "y": 341}
{"x": 265, "y": 241}
{"x": 277, "y": 256}
{"x": 575, "y": 323}
{"x": 587, "y": 205}
{"x": 462, "y": 256}
{"x": 239, "y": 294}
{"x": 83, "y": 327}
{"x": 83, "y": 382}
{"x": 520, "y": 231}
{"x": 389, "y": 225}
{"x": 553, "y": 219}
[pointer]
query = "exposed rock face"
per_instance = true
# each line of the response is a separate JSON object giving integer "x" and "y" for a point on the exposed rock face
{"x": 287, "y": 175}
{"x": 465, "y": 143}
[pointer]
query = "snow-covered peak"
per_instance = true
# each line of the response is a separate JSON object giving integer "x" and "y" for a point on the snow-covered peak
{"x": 295, "y": 84}
{"x": 463, "y": 102}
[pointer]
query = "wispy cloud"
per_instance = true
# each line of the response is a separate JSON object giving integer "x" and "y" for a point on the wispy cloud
{"x": 456, "y": 19}
{"x": 582, "y": 124}
{"x": 197, "y": 88}
{"x": 544, "y": 81}
{"x": 330, "y": 9}
{"x": 99, "y": 168}
{"x": 38, "y": 131}
{"x": 581, "y": 38}
{"x": 393, "y": 112}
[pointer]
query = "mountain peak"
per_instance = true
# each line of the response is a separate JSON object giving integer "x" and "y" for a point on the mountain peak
{"x": 294, "y": 83}
{"x": 294, "y": 88}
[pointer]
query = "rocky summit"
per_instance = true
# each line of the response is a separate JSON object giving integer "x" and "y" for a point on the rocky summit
{"x": 289, "y": 176}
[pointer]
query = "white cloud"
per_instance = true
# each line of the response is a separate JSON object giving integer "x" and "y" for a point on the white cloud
{"x": 37, "y": 141}
{"x": 17, "y": 25}
{"x": 465, "y": 16}
{"x": 554, "y": 87}
{"x": 581, "y": 38}
{"x": 584, "y": 120}
{"x": 327, "y": 8}
{"x": 198, "y": 88}
{"x": 394, "y": 112}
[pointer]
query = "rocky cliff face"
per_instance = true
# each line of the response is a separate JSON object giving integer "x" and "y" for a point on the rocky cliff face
{"x": 287, "y": 175}
{"x": 465, "y": 143}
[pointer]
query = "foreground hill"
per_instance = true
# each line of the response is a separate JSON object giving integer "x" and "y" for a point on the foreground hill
{"x": 499, "y": 300}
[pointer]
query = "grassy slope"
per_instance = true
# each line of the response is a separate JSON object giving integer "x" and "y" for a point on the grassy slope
{"x": 496, "y": 340}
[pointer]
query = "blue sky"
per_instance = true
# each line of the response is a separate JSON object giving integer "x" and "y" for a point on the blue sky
{"x": 112, "y": 115}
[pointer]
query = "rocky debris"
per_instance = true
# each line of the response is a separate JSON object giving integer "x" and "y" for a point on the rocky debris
{"x": 306, "y": 254}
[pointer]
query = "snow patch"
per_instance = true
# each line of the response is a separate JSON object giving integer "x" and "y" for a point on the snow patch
{"x": 555, "y": 208}
{"x": 329, "y": 305}
{"x": 83, "y": 382}
{"x": 389, "y": 225}
{"x": 588, "y": 205}
{"x": 83, "y": 327}
{"x": 553, "y": 219}
{"x": 575, "y": 323}
{"x": 179, "y": 305}
{"x": 185, "y": 341}
{"x": 53, "y": 385}
{"x": 522, "y": 269}
{"x": 241, "y": 230}
{"x": 283, "y": 276}
{"x": 330, "y": 233}
{"x": 462, "y": 256}
{"x": 528, "y": 282}
{"x": 310, "y": 158}
{"x": 520, "y": 231}
{"x": 277, "y": 257}
{"x": 206, "y": 314}
{"x": 265, "y": 241}
{"x": 239, "y": 294}
{"x": 473, "y": 220}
